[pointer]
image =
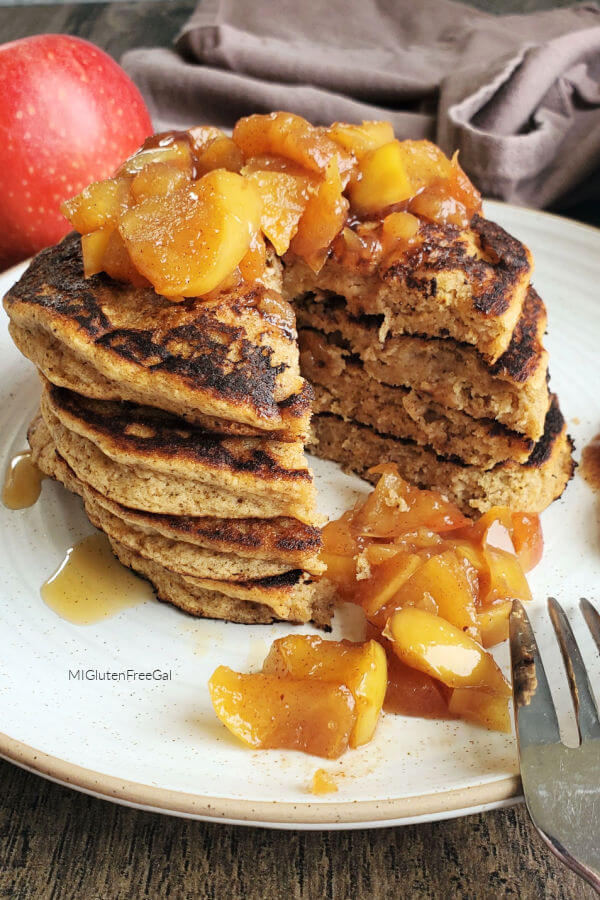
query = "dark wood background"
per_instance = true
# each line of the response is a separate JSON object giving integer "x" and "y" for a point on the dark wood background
{"x": 56, "y": 843}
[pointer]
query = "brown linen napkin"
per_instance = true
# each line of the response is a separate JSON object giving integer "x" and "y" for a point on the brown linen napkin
{"x": 518, "y": 95}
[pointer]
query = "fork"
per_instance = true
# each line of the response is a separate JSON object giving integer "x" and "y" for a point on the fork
{"x": 561, "y": 784}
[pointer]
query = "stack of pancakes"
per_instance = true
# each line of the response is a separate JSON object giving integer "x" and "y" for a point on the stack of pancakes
{"x": 182, "y": 427}
{"x": 436, "y": 362}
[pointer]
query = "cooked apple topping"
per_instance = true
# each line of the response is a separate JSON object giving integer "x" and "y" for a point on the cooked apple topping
{"x": 436, "y": 590}
{"x": 194, "y": 211}
{"x": 322, "y": 783}
{"x": 313, "y": 695}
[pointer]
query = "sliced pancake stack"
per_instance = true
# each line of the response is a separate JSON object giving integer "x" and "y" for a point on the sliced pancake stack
{"x": 182, "y": 427}
{"x": 182, "y": 420}
{"x": 436, "y": 363}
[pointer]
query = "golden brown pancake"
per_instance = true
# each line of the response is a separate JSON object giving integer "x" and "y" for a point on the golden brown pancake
{"x": 529, "y": 486}
{"x": 229, "y": 364}
{"x": 279, "y": 543}
{"x": 513, "y": 390}
{"x": 203, "y": 582}
{"x": 468, "y": 285}
{"x": 343, "y": 386}
{"x": 149, "y": 460}
{"x": 285, "y": 597}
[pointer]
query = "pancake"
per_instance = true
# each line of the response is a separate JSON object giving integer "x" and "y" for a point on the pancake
{"x": 513, "y": 390}
{"x": 230, "y": 359}
{"x": 529, "y": 486}
{"x": 467, "y": 285}
{"x": 251, "y": 548}
{"x": 203, "y": 582}
{"x": 343, "y": 387}
{"x": 148, "y": 460}
{"x": 296, "y": 601}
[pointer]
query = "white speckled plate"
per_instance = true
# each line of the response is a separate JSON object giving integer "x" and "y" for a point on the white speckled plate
{"x": 158, "y": 745}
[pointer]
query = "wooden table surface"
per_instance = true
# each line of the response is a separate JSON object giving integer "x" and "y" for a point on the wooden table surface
{"x": 57, "y": 843}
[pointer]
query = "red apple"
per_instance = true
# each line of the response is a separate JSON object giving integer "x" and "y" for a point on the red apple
{"x": 68, "y": 116}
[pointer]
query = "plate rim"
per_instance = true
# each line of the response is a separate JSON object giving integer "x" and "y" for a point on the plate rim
{"x": 304, "y": 814}
{"x": 272, "y": 813}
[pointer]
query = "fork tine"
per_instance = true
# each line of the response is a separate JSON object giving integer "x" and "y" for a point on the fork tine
{"x": 581, "y": 691}
{"x": 592, "y": 618}
{"x": 535, "y": 715}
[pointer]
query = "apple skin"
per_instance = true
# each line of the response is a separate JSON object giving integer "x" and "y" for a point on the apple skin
{"x": 69, "y": 115}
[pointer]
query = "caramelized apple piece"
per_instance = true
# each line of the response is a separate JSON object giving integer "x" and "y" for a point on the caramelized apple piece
{"x": 187, "y": 243}
{"x": 93, "y": 249}
{"x": 98, "y": 205}
{"x": 340, "y": 548}
{"x": 489, "y": 710}
{"x": 434, "y": 646}
{"x": 339, "y": 538}
{"x": 268, "y": 712}
{"x": 443, "y": 578}
{"x": 377, "y": 594}
{"x": 463, "y": 188}
{"x": 361, "y": 667}
{"x": 157, "y": 181}
{"x": 323, "y": 783}
{"x": 342, "y": 571}
{"x": 276, "y": 310}
{"x": 398, "y": 231}
{"x": 323, "y": 217}
{"x": 375, "y": 554}
{"x": 360, "y": 139}
{"x": 381, "y": 180}
{"x": 424, "y": 164}
{"x": 527, "y": 538}
{"x": 414, "y": 693}
{"x": 507, "y": 580}
{"x": 268, "y": 163}
{"x": 117, "y": 263}
{"x": 176, "y": 153}
{"x": 220, "y": 153}
{"x": 477, "y": 532}
{"x": 448, "y": 198}
{"x": 284, "y": 198}
{"x": 201, "y": 136}
{"x": 285, "y": 134}
{"x": 254, "y": 262}
{"x": 396, "y": 507}
{"x": 493, "y": 622}
{"x": 437, "y": 205}
{"x": 499, "y": 573}
{"x": 524, "y": 530}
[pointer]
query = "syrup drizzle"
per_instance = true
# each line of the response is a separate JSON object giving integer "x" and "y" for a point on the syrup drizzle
{"x": 590, "y": 463}
{"x": 91, "y": 584}
{"x": 22, "y": 482}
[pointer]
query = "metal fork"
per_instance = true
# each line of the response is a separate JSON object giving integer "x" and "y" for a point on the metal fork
{"x": 561, "y": 784}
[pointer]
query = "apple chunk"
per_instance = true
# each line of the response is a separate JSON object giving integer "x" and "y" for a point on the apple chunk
{"x": 381, "y": 181}
{"x": 188, "y": 242}
{"x": 377, "y": 594}
{"x": 489, "y": 710}
{"x": 268, "y": 712}
{"x": 291, "y": 136}
{"x": 493, "y": 623}
{"x": 414, "y": 693}
{"x": 361, "y": 667}
{"x": 432, "y": 645}
{"x": 323, "y": 217}
{"x": 443, "y": 578}
{"x": 98, "y": 205}
{"x": 360, "y": 139}
{"x": 284, "y": 197}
